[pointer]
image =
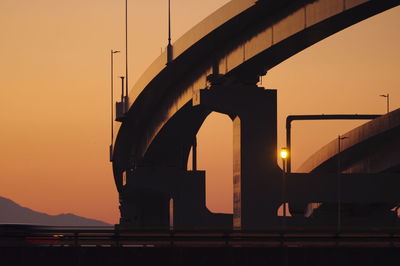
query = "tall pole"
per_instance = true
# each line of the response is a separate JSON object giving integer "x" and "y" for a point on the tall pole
{"x": 112, "y": 102}
{"x": 387, "y": 96}
{"x": 194, "y": 154}
{"x": 284, "y": 156}
{"x": 289, "y": 147}
{"x": 169, "y": 46}
{"x": 339, "y": 185}
{"x": 284, "y": 187}
{"x": 387, "y": 102}
{"x": 122, "y": 94}
{"x": 126, "y": 47}
{"x": 169, "y": 22}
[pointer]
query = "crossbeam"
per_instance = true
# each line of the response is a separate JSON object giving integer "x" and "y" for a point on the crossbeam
{"x": 355, "y": 188}
{"x": 292, "y": 118}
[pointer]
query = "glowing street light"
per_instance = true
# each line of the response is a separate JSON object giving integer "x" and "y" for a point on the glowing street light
{"x": 284, "y": 155}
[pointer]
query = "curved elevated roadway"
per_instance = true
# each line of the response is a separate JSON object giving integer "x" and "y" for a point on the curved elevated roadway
{"x": 369, "y": 165}
{"x": 216, "y": 67}
{"x": 373, "y": 147}
{"x": 241, "y": 41}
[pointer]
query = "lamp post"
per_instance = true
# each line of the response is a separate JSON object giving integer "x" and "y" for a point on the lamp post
{"x": 126, "y": 48}
{"x": 387, "y": 101}
{"x": 112, "y": 102}
{"x": 169, "y": 46}
{"x": 339, "y": 184}
{"x": 284, "y": 156}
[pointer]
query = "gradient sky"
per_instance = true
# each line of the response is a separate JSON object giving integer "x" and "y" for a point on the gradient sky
{"x": 54, "y": 94}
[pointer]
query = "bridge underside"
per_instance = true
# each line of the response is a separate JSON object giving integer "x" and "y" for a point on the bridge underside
{"x": 162, "y": 175}
{"x": 215, "y": 68}
{"x": 362, "y": 199}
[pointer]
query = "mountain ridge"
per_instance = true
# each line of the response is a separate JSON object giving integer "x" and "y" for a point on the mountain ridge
{"x": 13, "y": 213}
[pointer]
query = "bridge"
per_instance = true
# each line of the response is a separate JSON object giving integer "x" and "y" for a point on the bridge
{"x": 216, "y": 67}
{"x": 341, "y": 203}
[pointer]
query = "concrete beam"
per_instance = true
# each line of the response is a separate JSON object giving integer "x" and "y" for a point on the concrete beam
{"x": 354, "y": 188}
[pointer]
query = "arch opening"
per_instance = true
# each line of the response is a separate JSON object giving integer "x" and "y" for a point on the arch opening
{"x": 216, "y": 137}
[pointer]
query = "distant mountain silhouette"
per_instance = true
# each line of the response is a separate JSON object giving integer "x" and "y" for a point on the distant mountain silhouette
{"x": 12, "y": 213}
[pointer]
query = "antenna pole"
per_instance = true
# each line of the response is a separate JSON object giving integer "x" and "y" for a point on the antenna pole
{"x": 387, "y": 103}
{"x": 169, "y": 47}
{"x": 126, "y": 46}
{"x": 112, "y": 104}
{"x": 122, "y": 91}
{"x": 169, "y": 22}
{"x": 112, "y": 96}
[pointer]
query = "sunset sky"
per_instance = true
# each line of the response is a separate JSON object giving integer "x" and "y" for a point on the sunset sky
{"x": 55, "y": 95}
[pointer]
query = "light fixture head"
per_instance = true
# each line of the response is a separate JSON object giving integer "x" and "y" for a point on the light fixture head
{"x": 284, "y": 153}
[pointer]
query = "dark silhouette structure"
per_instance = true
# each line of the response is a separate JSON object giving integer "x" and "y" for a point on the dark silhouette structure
{"x": 215, "y": 67}
{"x": 292, "y": 118}
{"x": 368, "y": 165}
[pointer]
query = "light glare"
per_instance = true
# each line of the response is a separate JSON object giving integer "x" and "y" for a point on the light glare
{"x": 284, "y": 153}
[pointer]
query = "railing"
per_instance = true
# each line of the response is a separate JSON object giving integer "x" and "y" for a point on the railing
{"x": 108, "y": 237}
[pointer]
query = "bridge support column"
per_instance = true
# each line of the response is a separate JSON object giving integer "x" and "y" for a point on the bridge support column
{"x": 256, "y": 177}
{"x": 143, "y": 205}
{"x": 146, "y": 196}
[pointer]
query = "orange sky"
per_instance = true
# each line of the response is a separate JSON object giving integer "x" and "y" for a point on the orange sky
{"x": 54, "y": 80}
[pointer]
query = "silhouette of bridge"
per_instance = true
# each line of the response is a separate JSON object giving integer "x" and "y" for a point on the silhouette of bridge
{"x": 215, "y": 67}
{"x": 369, "y": 165}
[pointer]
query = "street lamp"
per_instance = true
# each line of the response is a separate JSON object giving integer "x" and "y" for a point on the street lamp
{"x": 126, "y": 48}
{"x": 339, "y": 183}
{"x": 169, "y": 46}
{"x": 112, "y": 101}
{"x": 387, "y": 101}
{"x": 284, "y": 155}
